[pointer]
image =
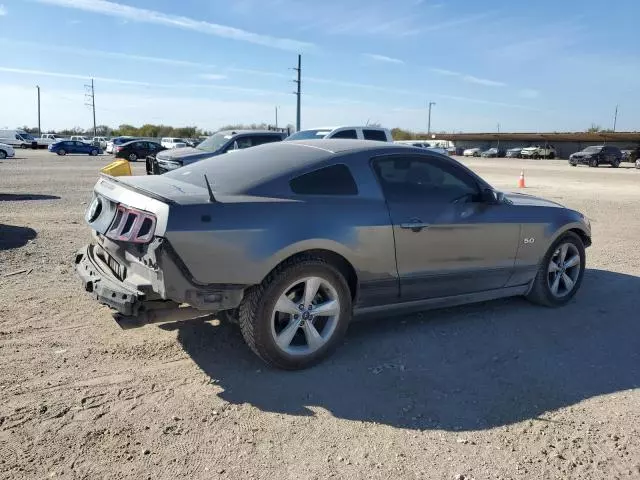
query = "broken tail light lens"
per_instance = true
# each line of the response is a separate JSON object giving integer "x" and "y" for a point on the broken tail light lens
{"x": 132, "y": 225}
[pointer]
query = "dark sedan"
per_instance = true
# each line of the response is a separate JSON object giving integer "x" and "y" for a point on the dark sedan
{"x": 291, "y": 239}
{"x": 136, "y": 149}
{"x": 597, "y": 155}
{"x": 492, "y": 153}
{"x": 74, "y": 146}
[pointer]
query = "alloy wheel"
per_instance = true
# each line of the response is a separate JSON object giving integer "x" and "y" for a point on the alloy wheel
{"x": 305, "y": 316}
{"x": 563, "y": 270}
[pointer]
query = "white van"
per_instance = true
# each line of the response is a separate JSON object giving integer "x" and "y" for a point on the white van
{"x": 173, "y": 142}
{"x": 356, "y": 133}
{"x": 18, "y": 139}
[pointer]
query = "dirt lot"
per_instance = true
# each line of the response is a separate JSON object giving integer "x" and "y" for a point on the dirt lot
{"x": 503, "y": 390}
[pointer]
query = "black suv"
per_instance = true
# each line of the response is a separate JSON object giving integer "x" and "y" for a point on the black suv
{"x": 597, "y": 155}
{"x": 217, "y": 144}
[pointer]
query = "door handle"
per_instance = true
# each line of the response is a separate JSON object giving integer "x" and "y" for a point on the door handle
{"x": 415, "y": 225}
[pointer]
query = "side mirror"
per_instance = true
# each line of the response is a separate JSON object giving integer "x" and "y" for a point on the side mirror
{"x": 492, "y": 196}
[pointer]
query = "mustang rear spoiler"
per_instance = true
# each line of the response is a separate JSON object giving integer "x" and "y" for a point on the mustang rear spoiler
{"x": 148, "y": 193}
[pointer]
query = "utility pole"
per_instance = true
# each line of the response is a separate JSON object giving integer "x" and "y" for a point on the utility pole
{"x": 298, "y": 93}
{"x": 615, "y": 119}
{"x": 91, "y": 99}
{"x": 276, "y": 116}
{"x": 498, "y": 147}
{"x": 39, "y": 131}
{"x": 431, "y": 104}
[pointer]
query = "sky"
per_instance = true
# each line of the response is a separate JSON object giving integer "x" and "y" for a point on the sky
{"x": 487, "y": 65}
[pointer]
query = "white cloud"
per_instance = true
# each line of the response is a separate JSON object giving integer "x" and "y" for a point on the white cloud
{"x": 3, "y": 10}
{"x": 469, "y": 78}
{"x": 382, "y": 58}
{"x": 213, "y": 76}
{"x": 101, "y": 53}
{"x": 142, "y": 15}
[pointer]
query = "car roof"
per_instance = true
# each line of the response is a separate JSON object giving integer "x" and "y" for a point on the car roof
{"x": 239, "y": 132}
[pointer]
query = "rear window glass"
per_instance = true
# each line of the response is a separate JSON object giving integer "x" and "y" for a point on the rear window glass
{"x": 345, "y": 134}
{"x": 333, "y": 180}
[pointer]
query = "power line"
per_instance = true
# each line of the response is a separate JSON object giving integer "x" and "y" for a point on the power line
{"x": 90, "y": 96}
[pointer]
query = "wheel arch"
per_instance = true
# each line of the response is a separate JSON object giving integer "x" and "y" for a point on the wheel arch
{"x": 333, "y": 258}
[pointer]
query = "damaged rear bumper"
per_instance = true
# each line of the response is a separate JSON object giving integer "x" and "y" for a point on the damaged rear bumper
{"x": 98, "y": 280}
{"x": 150, "y": 288}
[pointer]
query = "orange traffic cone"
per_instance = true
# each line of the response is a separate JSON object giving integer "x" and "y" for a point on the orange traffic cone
{"x": 521, "y": 180}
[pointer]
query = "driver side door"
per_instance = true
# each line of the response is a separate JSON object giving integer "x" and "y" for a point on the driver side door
{"x": 449, "y": 241}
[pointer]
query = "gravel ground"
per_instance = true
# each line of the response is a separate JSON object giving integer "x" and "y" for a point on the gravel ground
{"x": 502, "y": 390}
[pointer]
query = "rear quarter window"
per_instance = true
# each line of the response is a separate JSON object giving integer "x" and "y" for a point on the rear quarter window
{"x": 333, "y": 180}
{"x": 345, "y": 134}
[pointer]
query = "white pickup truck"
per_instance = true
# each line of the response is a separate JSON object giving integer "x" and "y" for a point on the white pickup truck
{"x": 47, "y": 139}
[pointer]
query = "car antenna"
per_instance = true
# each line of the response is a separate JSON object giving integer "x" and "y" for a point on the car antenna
{"x": 212, "y": 199}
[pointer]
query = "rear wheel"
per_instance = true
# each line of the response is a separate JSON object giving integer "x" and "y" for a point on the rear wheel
{"x": 3, "y": 154}
{"x": 133, "y": 157}
{"x": 594, "y": 162}
{"x": 297, "y": 315}
{"x": 551, "y": 156}
{"x": 560, "y": 273}
{"x": 62, "y": 152}
{"x": 24, "y": 145}
{"x": 615, "y": 163}
{"x": 93, "y": 152}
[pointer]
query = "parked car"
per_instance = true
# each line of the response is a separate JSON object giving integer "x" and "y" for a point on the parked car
{"x": 99, "y": 141}
{"x": 74, "y": 146}
{"x": 492, "y": 153}
{"x": 47, "y": 139}
{"x": 631, "y": 154}
{"x": 257, "y": 239}
{"x": 6, "y": 151}
{"x": 217, "y": 144}
{"x": 422, "y": 144}
{"x": 136, "y": 149}
{"x": 514, "y": 152}
{"x": 538, "y": 151}
{"x": 472, "y": 152}
{"x": 18, "y": 139}
{"x": 597, "y": 155}
{"x": 172, "y": 142}
{"x": 111, "y": 144}
{"x": 80, "y": 138}
{"x": 362, "y": 133}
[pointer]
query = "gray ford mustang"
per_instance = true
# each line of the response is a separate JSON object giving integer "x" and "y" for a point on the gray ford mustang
{"x": 293, "y": 239}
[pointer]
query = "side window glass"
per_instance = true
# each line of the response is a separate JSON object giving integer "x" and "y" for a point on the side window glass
{"x": 333, "y": 180}
{"x": 244, "y": 142}
{"x": 345, "y": 134}
{"x": 420, "y": 179}
{"x": 378, "y": 135}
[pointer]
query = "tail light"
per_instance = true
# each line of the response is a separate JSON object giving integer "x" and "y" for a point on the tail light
{"x": 132, "y": 225}
{"x": 118, "y": 149}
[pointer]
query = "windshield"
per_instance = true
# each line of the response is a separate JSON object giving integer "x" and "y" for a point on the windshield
{"x": 26, "y": 136}
{"x": 308, "y": 134}
{"x": 592, "y": 149}
{"x": 214, "y": 142}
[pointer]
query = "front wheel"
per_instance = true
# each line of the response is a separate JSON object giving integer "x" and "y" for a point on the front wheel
{"x": 297, "y": 315}
{"x": 560, "y": 273}
{"x": 615, "y": 163}
{"x": 94, "y": 153}
{"x": 133, "y": 157}
{"x": 62, "y": 152}
{"x": 3, "y": 154}
{"x": 594, "y": 163}
{"x": 551, "y": 156}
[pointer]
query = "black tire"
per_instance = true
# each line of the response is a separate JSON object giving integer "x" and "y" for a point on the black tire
{"x": 132, "y": 157}
{"x": 573, "y": 164}
{"x": 62, "y": 152}
{"x": 594, "y": 163}
{"x": 615, "y": 163}
{"x": 551, "y": 156}
{"x": 540, "y": 292}
{"x": 94, "y": 153}
{"x": 24, "y": 146}
{"x": 3, "y": 154}
{"x": 259, "y": 302}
